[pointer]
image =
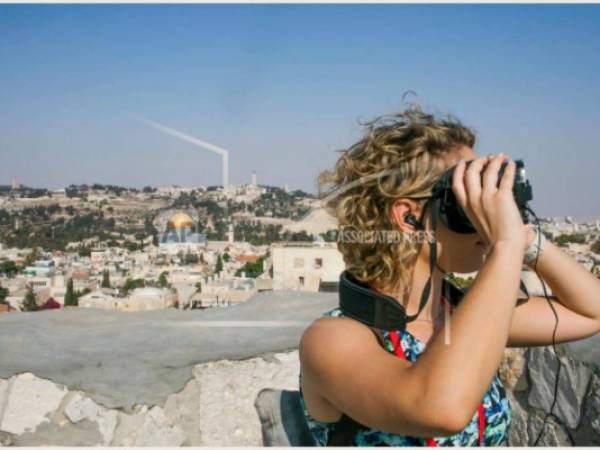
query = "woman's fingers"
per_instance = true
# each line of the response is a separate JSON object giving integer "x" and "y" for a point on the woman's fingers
{"x": 473, "y": 183}
{"x": 508, "y": 178}
{"x": 490, "y": 174}
{"x": 458, "y": 183}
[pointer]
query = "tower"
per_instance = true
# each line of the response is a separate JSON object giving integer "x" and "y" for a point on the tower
{"x": 230, "y": 234}
{"x": 253, "y": 180}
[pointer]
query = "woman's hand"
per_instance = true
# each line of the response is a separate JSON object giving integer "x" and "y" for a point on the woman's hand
{"x": 491, "y": 208}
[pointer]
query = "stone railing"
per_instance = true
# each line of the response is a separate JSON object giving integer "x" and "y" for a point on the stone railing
{"x": 86, "y": 378}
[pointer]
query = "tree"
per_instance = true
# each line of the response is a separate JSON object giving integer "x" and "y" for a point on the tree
{"x": 219, "y": 264}
{"x": 32, "y": 257}
{"x": 190, "y": 258}
{"x": 198, "y": 287}
{"x": 252, "y": 269}
{"x": 3, "y": 294}
{"x": 162, "y": 280}
{"x": 564, "y": 239}
{"x": 30, "y": 300}
{"x": 80, "y": 294}
{"x": 9, "y": 268}
{"x": 226, "y": 257}
{"x": 70, "y": 297}
{"x": 132, "y": 284}
{"x": 596, "y": 247}
{"x": 105, "y": 279}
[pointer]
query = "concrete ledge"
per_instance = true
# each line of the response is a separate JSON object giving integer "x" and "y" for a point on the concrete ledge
{"x": 123, "y": 359}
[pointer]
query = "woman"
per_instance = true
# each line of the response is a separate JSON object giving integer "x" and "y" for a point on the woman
{"x": 444, "y": 388}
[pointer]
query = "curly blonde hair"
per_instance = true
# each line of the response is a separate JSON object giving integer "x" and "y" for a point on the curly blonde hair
{"x": 398, "y": 156}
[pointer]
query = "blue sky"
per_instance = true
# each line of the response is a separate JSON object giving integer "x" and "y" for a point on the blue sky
{"x": 282, "y": 87}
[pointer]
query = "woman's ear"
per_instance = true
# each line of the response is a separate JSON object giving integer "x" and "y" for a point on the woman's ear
{"x": 400, "y": 209}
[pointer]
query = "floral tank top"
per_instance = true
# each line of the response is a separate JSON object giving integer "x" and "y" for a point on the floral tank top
{"x": 496, "y": 411}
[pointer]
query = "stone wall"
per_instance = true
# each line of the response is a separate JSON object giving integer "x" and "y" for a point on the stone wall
{"x": 531, "y": 377}
{"x": 85, "y": 377}
{"x": 216, "y": 406}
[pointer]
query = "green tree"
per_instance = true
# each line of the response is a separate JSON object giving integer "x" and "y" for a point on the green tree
{"x": 219, "y": 264}
{"x": 564, "y": 239}
{"x": 252, "y": 269}
{"x": 9, "y": 268}
{"x": 32, "y": 257}
{"x": 226, "y": 257}
{"x": 596, "y": 247}
{"x": 80, "y": 294}
{"x": 3, "y": 294}
{"x": 132, "y": 284}
{"x": 162, "y": 280}
{"x": 30, "y": 300}
{"x": 105, "y": 279}
{"x": 198, "y": 287}
{"x": 190, "y": 258}
{"x": 459, "y": 282}
{"x": 70, "y": 298}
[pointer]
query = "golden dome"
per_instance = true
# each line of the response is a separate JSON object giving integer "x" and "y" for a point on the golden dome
{"x": 179, "y": 221}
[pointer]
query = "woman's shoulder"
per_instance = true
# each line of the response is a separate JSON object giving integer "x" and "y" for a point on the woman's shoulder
{"x": 333, "y": 330}
{"x": 334, "y": 321}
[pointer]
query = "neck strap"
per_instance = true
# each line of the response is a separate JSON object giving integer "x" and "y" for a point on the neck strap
{"x": 359, "y": 301}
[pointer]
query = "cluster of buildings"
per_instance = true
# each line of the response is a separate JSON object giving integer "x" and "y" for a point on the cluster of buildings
{"x": 165, "y": 276}
{"x": 185, "y": 270}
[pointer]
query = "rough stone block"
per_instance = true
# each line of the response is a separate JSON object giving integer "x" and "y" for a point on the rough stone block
{"x": 554, "y": 435}
{"x": 183, "y": 409}
{"x": 81, "y": 407}
{"x": 572, "y": 385}
{"x": 228, "y": 390}
{"x": 28, "y": 401}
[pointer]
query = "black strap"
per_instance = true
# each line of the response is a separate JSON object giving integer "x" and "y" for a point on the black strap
{"x": 432, "y": 255}
{"x": 360, "y": 302}
{"x": 524, "y": 289}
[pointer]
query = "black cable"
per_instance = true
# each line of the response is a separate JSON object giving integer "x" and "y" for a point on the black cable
{"x": 550, "y": 413}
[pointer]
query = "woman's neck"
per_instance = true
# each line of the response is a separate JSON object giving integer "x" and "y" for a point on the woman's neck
{"x": 411, "y": 298}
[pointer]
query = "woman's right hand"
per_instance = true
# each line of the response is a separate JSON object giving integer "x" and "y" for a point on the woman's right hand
{"x": 491, "y": 208}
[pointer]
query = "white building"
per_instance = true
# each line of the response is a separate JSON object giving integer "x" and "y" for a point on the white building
{"x": 100, "y": 299}
{"x": 40, "y": 269}
{"x": 148, "y": 298}
{"x": 220, "y": 292}
{"x": 306, "y": 266}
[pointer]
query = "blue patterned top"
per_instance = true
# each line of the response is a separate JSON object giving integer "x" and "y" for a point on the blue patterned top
{"x": 497, "y": 411}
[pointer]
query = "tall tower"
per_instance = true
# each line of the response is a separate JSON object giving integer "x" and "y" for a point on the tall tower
{"x": 198, "y": 143}
{"x": 230, "y": 234}
{"x": 253, "y": 182}
{"x": 15, "y": 184}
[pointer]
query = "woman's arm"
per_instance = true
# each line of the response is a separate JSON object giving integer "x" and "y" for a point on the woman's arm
{"x": 573, "y": 285}
{"x": 576, "y": 299}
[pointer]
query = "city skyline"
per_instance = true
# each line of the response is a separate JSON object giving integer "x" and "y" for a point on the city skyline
{"x": 282, "y": 87}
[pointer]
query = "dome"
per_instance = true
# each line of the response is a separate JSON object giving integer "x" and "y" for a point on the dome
{"x": 179, "y": 221}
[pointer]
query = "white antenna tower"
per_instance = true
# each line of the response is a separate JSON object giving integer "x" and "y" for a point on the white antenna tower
{"x": 197, "y": 142}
